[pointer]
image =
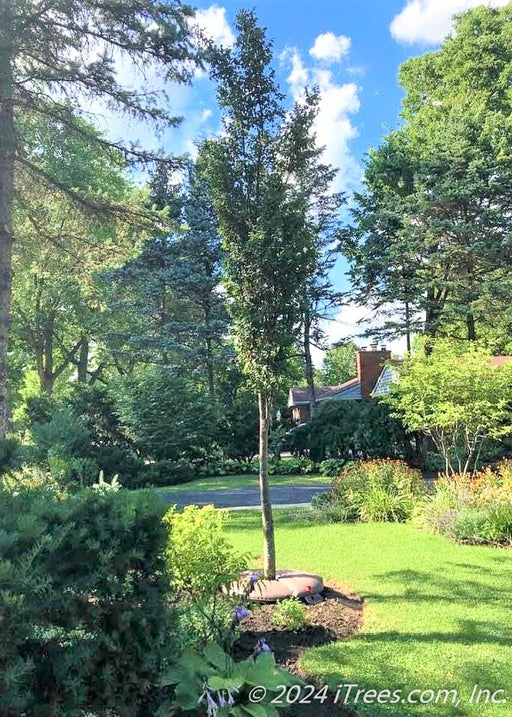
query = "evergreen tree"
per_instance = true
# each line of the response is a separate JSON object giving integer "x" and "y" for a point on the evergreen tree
{"x": 55, "y": 58}
{"x": 433, "y": 225}
{"x": 167, "y": 300}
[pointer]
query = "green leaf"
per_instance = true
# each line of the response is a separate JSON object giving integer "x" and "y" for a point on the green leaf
{"x": 217, "y": 657}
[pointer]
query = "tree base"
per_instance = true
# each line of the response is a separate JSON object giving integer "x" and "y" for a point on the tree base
{"x": 287, "y": 584}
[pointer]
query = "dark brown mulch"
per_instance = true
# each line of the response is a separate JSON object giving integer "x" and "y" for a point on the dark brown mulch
{"x": 338, "y": 617}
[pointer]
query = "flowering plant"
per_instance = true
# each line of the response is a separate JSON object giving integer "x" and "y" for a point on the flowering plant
{"x": 212, "y": 681}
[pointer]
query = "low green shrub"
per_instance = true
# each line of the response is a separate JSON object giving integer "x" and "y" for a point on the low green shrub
{"x": 290, "y": 614}
{"x": 331, "y": 508}
{"x": 351, "y": 430}
{"x": 471, "y": 509}
{"x": 378, "y": 490}
{"x": 86, "y": 625}
{"x": 164, "y": 473}
{"x": 332, "y": 467}
{"x": 201, "y": 562}
{"x": 74, "y": 449}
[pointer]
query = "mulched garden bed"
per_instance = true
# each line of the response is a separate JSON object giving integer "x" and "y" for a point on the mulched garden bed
{"x": 338, "y": 617}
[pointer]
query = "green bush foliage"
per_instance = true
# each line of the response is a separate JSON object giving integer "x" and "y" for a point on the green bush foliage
{"x": 351, "y": 430}
{"x": 290, "y": 614}
{"x": 80, "y": 438}
{"x": 457, "y": 396}
{"x": 368, "y": 491}
{"x": 84, "y": 611}
{"x": 473, "y": 509}
{"x": 201, "y": 562}
{"x": 166, "y": 417}
{"x": 332, "y": 467}
{"x": 290, "y": 466}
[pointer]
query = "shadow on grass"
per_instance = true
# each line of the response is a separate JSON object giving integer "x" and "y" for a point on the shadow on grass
{"x": 430, "y": 587}
{"x": 335, "y": 665}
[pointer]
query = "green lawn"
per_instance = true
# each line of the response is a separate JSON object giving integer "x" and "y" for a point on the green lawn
{"x": 243, "y": 481}
{"x": 438, "y": 615}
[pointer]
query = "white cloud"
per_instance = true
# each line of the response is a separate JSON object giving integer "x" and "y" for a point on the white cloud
{"x": 212, "y": 22}
{"x": 333, "y": 127}
{"x": 430, "y": 21}
{"x": 345, "y": 325}
{"x": 298, "y": 77}
{"x": 330, "y": 47}
{"x": 206, "y": 114}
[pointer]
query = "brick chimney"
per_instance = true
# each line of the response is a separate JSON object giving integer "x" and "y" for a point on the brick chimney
{"x": 369, "y": 365}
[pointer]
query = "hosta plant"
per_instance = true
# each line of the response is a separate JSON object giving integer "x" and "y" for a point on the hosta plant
{"x": 212, "y": 683}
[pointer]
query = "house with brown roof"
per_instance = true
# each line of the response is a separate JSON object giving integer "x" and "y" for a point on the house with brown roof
{"x": 375, "y": 371}
{"x": 370, "y": 364}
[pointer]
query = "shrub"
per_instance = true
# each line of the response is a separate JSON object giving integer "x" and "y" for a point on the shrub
{"x": 166, "y": 417}
{"x": 164, "y": 473}
{"x": 333, "y": 509}
{"x": 74, "y": 449}
{"x": 9, "y": 454}
{"x": 351, "y": 430}
{"x": 472, "y": 509}
{"x": 332, "y": 467}
{"x": 202, "y": 561}
{"x": 457, "y": 396}
{"x": 290, "y": 614}
{"x": 379, "y": 490}
{"x": 83, "y": 602}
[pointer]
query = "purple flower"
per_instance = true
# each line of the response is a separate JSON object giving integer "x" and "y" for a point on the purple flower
{"x": 239, "y": 614}
{"x": 261, "y": 646}
{"x": 253, "y": 580}
{"x": 211, "y": 705}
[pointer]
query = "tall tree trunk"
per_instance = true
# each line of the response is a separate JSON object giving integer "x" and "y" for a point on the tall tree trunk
{"x": 310, "y": 376}
{"x": 7, "y": 151}
{"x": 83, "y": 360}
{"x": 209, "y": 353}
{"x": 47, "y": 383}
{"x": 269, "y": 556}
{"x": 470, "y": 321}
{"x": 408, "y": 326}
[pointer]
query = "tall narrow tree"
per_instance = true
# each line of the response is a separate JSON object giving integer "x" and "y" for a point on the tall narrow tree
{"x": 253, "y": 170}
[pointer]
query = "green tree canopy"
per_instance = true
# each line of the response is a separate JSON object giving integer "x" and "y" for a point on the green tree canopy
{"x": 456, "y": 395}
{"x": 261, "y": 194}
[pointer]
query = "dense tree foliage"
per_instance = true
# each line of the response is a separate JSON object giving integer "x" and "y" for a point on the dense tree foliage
{"x": 431, "y": 239}
{"x": 55, "y": 60}
{"x": 339, "y": 364}
{"x": 458, "y": 397}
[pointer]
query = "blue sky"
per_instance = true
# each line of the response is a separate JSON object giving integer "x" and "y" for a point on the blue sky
{"x": 351, "y": 49}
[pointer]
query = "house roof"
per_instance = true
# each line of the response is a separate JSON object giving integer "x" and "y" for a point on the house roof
{"x": 352, "y": 388}
{"x": 302, "y": 396}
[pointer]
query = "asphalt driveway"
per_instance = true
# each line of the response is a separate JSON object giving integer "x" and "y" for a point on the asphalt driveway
{"x": 292, "y": 495}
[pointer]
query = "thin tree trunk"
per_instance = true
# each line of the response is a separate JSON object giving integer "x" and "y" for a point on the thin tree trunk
{"x": 209, "y": 353}
{"x": 470, "y": 320}
{"x": 310, "y": 376}
{"x": 83, "y": 361}
{"x": 269, "y": 555}
{"x": 7, "y": 151}
{"x": 408, "y": 326}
